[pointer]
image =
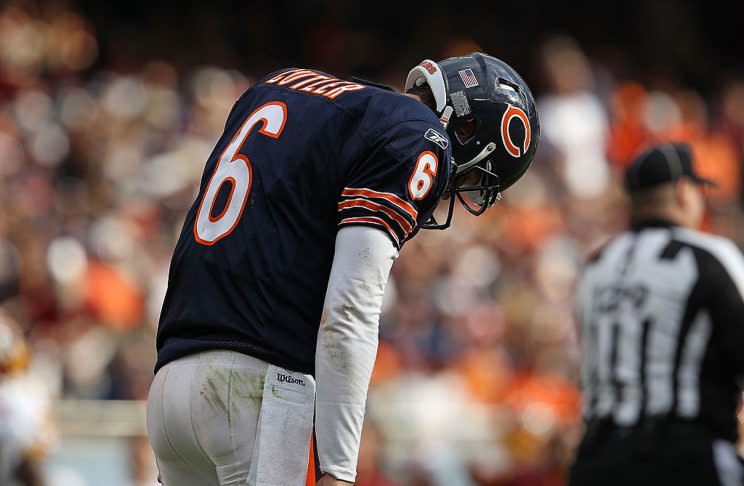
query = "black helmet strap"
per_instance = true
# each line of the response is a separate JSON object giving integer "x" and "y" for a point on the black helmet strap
{"x": 489, "y": 190}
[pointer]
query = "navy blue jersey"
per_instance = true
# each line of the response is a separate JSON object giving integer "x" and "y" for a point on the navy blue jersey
{"x": 302, "y": 154}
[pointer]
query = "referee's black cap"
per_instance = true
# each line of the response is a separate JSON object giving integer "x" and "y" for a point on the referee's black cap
{"x": 662, "y": 164}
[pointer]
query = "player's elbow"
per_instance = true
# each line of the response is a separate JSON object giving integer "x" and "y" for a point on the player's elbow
{"x": 347, "y": 332}
{"x": 347, "y": 344}
{"x": 351, "y": 319}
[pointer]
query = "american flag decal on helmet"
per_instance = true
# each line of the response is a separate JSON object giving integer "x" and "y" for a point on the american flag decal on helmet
{"x": 468, "y": 78}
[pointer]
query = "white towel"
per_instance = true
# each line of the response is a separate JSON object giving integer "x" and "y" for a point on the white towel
{"x": 285, "y": 428}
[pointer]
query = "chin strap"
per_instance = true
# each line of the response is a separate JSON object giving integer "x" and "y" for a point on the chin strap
{"x": 432, "y": 223}
{"x": 445, "y": 118}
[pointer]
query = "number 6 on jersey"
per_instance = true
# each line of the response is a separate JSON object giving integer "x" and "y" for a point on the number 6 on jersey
{"x": 235, "y": 168}
{"x": 423, "y": 175}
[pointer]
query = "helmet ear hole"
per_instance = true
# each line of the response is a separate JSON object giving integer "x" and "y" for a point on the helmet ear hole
{"x": 509, "y": 84}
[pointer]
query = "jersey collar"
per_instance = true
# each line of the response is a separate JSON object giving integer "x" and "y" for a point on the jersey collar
{"x": 644, "y": 223}
{"x": 371, "y": 83}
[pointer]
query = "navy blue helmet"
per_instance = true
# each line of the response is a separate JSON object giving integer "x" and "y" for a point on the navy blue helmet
{"x": 491, "y": 119}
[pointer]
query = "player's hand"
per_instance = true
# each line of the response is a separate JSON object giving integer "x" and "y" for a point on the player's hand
{"x": 328, "y": 480}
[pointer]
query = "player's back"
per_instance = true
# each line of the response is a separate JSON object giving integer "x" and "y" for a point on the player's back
{"x": 302, "y": 153}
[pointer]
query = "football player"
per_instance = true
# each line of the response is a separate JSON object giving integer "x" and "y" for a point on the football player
{"x": 269, "y": 326}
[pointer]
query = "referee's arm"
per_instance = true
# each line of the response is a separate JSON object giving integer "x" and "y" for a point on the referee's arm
{"x": 726, "y": 292}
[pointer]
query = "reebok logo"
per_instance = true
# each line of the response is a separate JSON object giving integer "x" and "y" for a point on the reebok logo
{"x": 437, "y": 138}
{"x": 289, "y": 379}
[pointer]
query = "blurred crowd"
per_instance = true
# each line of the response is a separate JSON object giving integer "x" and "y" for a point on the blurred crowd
{"x": 476, "y": 381}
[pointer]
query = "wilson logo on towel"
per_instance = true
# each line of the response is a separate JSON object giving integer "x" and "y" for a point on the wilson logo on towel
{"x": 289, "y": 379}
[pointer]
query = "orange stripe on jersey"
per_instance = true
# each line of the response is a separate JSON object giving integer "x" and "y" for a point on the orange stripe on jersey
{"x": 373, "y": 220}
{"x": 373, "y": 206}
{"x": 396, "y": 200}
{"x": 310, "y": 479}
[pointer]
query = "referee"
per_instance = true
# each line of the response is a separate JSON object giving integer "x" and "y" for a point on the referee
{"x": 661, "y": 316}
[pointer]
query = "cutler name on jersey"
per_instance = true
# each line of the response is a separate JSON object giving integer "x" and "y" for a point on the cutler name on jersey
{"x": 303, "y": 154}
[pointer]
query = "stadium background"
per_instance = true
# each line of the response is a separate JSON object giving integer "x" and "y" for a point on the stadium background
{"x": 108, "y": 111}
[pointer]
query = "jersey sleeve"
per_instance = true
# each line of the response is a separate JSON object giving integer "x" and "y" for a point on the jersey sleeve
{"x": 398, "y": 185}
{"x": 724, "y": 280}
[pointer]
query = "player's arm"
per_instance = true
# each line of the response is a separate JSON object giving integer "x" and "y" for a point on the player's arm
{"x": 329, "y": 480}
{"x": 385, "y": 199}
{"x": 347, "y": 344}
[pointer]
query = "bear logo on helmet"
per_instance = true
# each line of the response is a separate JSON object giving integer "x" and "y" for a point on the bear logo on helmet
{"x": 510, "y": 113}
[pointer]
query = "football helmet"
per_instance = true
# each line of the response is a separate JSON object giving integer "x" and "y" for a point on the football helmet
{"x": 492, "y": 122}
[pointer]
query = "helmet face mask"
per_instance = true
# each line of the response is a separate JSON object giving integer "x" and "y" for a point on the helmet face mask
{"x": 492, "y": 122}
{"x": 475, "y": 195}
{"x": 478, "y": 197}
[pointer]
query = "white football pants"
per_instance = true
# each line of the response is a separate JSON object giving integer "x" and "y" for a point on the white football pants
{"x": 211, "y": 424}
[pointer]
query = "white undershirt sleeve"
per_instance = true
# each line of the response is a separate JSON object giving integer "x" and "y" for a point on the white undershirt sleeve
{"x": 347, "y": 344}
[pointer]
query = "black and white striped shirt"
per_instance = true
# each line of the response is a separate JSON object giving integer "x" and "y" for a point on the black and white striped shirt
{"x": 661, "y": 315}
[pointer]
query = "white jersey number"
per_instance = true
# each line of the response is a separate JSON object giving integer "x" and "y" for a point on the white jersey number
{"x": 423, "y": 175}
{"x": 235, "y": 168}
